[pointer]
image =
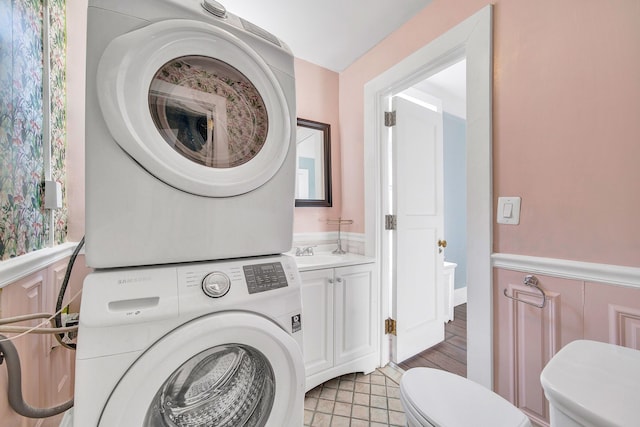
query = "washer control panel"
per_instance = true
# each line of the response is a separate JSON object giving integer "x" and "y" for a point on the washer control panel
{"x": 216, "y": 284}
{"x": 264, "y": 277}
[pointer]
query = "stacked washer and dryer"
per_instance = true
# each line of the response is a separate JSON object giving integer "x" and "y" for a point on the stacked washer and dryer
{"x": 192, "y": 316}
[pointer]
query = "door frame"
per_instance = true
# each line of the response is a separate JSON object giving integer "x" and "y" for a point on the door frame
{"x": 471, "y": 38}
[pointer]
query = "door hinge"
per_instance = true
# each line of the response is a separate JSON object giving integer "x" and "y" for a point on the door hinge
{"x": 390, "y": 222}
{"x": 389, "y": 118}
{"x": 390, "y": 326}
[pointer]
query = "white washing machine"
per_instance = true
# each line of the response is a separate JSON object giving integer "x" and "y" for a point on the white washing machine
{"x": 190, "y": 135}
{"x": 200, "y": 344}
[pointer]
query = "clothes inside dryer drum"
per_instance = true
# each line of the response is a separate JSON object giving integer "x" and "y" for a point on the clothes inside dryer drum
{"x": 226, "y": 386}
{"x": 208, "y": 111}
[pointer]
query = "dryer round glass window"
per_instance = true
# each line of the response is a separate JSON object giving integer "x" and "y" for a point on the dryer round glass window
{"x": 226, "y": 386}
{"x": 208, "y": 111}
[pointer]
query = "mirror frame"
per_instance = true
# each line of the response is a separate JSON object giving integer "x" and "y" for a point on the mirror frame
{"x": 326, "y": 131}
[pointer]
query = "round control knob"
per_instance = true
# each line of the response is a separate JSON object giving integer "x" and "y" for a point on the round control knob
{"x": 214, "y": 8}
{"x": 216, "y": 284}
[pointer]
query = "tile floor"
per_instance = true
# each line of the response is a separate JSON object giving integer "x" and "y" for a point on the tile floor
{"x": 356, "y": 400}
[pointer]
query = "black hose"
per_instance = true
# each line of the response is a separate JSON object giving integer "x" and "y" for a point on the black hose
{"x": 16, "y": 401}
{"x": 63, "y": 289}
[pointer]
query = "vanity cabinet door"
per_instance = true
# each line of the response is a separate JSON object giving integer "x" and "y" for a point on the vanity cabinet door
{"x": 317, "y": 320}
{"x": 356, "y": 301}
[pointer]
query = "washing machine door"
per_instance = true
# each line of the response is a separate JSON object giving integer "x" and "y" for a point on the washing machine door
{"x": 195, "y": 106}
{"x": 228, "y": 370}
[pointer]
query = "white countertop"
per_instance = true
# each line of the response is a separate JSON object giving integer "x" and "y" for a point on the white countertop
{"x": 328, "y": 260}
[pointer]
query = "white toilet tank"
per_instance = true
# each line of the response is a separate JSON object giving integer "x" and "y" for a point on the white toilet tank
{"x": 593, "y": 384}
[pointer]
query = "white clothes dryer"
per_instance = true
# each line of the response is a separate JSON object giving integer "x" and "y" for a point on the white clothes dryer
{"x": 201, "y": 344}
{"x": 190, "y": 135}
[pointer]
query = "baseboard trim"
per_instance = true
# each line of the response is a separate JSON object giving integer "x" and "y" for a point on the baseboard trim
{"x": 459, "y": 296}
{"x": 578, "y": 270}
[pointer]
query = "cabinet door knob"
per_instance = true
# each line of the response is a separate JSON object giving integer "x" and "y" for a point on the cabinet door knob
{"x": 339, "y": 280}
{"x": 331, "y": 281}
{"x": 442, "y": 243}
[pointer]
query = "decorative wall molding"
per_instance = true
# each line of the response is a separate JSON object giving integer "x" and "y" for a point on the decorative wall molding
{"x": 578, "y": 270}
{"x": 14, "y": 269}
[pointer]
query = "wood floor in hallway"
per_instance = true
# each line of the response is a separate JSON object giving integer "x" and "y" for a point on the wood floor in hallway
{"x": 451, "y": 354}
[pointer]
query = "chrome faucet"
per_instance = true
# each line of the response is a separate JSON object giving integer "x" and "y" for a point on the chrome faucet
{"x": 307, "y": 251}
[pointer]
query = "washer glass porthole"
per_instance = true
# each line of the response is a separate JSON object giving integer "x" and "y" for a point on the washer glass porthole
{"x": 208, "y": 111}
{"x": 226, "y": 386}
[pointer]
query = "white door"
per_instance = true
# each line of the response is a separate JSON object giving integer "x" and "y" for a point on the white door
{"x": 417, "y": 296}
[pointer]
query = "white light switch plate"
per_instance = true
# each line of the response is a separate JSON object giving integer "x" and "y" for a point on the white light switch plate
{"x": 508, "y": 210}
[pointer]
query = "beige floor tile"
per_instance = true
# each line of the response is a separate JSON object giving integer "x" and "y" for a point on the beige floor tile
{"x": 356, "y": 400}
{"x": 393, "y": 392}
{"x": 395, "y": 404}
{"x": 363, "y": 388}
{"x": 360, "y": 412}
{"x": 328, "y": 393}
{"x": 310, "y": 403}
{"x": 361, "y": 399}
{"x": 342, "y": 408}
{"x": 315, "y": 392}
{"x": 344, "y": 396}
{"x": 379, "y": 415}
{"x": 321, "y": 420}
{"x": 378, "y": 379}
{"x": 332, "y": 383}
{"x": 378, "y": 402}
{"x": 362, "y": 378}
{"x": 397, "y": 418}
{"x": 308, "y": 416}
{"x": 325, "y": 406}
{"x": 339, "y": 421}
{"x": 346, "y": 385}
{"x": 378, "y": 390}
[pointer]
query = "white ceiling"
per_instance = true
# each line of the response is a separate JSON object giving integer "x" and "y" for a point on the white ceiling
{"x": 329, "y": 33}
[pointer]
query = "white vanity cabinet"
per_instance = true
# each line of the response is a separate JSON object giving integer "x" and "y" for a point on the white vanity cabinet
{"x": 340, "y": 321}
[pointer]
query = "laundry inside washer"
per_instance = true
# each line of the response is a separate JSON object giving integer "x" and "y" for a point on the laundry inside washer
{"x": 226, "y": 386}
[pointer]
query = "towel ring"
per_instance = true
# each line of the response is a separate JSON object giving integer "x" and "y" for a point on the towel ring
{"x": 531, "y": 281}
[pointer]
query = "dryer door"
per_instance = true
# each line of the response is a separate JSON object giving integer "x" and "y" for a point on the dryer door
{"x": 228, "y": 369}
{"x": 195, "y": 106}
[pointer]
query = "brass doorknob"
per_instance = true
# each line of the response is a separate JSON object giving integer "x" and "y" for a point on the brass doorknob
{"x": 442, "y": 243}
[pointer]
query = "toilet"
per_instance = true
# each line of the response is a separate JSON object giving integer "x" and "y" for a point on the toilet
{"x": 432, "y": 397}
{"x": 591, "y": 384}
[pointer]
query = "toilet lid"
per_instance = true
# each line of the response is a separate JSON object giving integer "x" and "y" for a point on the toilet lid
{"x": 446, "y": 399}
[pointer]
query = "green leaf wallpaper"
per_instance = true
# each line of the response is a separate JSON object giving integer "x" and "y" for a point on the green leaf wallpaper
{"x": 23, "y": 220}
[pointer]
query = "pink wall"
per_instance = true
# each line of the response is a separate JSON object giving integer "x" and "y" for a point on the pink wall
{"x": 565, "y": 124}
{"x": 317, "y": 99}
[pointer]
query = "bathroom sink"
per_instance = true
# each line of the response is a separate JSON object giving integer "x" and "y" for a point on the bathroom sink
{"x": 321, "y": 260}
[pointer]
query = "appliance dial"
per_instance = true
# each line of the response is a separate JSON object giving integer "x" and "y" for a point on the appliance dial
{"x": 215, "y": 8}
{"x": 216, "y": 284}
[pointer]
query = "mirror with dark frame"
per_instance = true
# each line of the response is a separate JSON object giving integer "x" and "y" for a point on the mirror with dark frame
{"x": 313, "y": 164}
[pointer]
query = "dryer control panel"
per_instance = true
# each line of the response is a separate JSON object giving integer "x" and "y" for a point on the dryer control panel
{"x": 264, "y": 277}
